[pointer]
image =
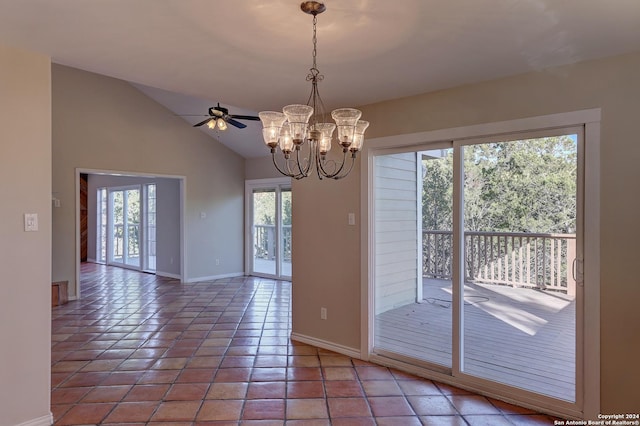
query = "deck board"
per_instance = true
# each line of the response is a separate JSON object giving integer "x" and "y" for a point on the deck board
{"x": 517, "y": 336}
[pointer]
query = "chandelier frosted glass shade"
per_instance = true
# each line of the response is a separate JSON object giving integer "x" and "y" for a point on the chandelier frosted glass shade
{"x": 346, "y": 119}
{"x": 326, "y": 134}
{"x": 272, "y": 122}
{"x": 298, "y": 118}
{"x": 358, "y": 138}
{"x": 286, "y": 141}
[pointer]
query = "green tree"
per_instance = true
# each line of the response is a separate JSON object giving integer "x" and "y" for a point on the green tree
{"x": 286, "y": 208}
{"x": 437, "y": 193}
{"x": 264, "y": 207}
{"x": 518, "y": 186}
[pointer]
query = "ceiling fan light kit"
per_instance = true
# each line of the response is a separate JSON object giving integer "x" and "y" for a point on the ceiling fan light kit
{"x": 299, "y": 126}
{"x": 222, "y": 125}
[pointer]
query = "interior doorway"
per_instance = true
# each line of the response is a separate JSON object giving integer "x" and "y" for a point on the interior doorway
{"x": 145, "y": 227}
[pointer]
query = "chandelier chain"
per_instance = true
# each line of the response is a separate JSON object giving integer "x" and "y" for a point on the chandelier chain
{"x": 315, "y": 41}
{"x": 314, "y": 74}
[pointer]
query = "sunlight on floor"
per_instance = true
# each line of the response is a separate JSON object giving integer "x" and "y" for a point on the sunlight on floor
{"x": 516, "y": 307}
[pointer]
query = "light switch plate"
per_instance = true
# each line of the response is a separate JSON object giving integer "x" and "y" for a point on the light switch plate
{"x": 30, "y": 222}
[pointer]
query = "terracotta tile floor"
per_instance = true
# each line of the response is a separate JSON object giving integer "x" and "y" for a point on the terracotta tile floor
{"x": 138, "y": 349}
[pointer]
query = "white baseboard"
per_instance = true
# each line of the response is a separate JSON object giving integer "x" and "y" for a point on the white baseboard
{"x": 40, "y": 421}
{"x": 214, "y": 277}
{"x": 89, "y": 260}
{"x": 168, "y": 275}
{"x": 341, "y": 349}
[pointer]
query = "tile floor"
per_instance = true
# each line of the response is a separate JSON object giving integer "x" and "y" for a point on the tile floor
{"x": 138, "y": 349}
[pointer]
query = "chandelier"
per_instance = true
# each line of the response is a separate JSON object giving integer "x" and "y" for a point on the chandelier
{"x": 303, "y": 133}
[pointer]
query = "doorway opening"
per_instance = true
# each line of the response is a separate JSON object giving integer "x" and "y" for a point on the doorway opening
{"x": 134, "y": 221}
{"x": 268, "y": 216}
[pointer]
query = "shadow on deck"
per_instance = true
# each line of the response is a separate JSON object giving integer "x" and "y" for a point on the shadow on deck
{"x": 516, "y": 336}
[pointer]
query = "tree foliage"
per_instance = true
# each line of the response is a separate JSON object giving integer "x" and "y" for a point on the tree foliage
{"x": 264, "y": 207}
{"x": 518, "y": 186}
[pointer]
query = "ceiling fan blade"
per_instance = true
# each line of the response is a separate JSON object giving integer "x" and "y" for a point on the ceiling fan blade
{"x": 235, "y": 123}
{"x": 246, "y": 117}
{"x": 203, "y": 122}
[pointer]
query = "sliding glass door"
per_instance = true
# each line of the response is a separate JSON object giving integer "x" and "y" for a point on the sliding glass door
{"x": 126, "y": 226}
{"x": 520, "y": 241}
{"x": 269, "y": 219}
{"x": 475, "y": 250}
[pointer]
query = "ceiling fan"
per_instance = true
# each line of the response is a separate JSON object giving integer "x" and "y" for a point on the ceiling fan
{"x": 220, "y": 116}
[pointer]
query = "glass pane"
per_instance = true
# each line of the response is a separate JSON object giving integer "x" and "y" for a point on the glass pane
{"x": 264, "y": 231}
{"x": 133, "y": 227}
{"x": 102, "y": 225}
{"x": 117, "y": 210}
{"x": 413, "y": 294}
{"x": 285, "y": 242}
{"x": 151, "y": 227}
{"x": 519, "y": 294}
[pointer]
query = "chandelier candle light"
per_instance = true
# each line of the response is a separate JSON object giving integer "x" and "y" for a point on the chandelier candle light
{"x": 300, "y": 125}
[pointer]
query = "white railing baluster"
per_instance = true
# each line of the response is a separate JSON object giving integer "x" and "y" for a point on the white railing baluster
{"x": 515, "y": 259}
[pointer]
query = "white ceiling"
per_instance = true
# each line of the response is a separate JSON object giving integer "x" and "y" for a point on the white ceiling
{"x": 253, "y": 55}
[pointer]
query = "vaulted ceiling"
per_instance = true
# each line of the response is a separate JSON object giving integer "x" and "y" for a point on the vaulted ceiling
{"x": 253, "y": 55}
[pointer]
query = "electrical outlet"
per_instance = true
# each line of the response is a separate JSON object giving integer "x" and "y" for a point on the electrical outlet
{"x": 323, "y": 313}
{"x": 217, "y": 262}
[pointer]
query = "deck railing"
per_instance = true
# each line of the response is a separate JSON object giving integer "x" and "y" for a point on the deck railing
{"x": 133, "y": 238}
{"x": 542, "y": 261}
{"x": 264, "y": 242}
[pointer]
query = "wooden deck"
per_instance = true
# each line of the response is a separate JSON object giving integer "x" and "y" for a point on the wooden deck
{"x": 265, "y": 266}
{"x": 516, "y": 336}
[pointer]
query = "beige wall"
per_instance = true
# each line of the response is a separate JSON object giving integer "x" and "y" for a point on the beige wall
{"x": 106, "y": 124}
{"x": 260, "y": 168}
{"x": 25, "y": 172}
{"x": 327, "y": 253}
{"x": 326, "y": 259}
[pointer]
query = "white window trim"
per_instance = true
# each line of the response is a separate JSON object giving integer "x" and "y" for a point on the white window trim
{"x": 590, "y": 119}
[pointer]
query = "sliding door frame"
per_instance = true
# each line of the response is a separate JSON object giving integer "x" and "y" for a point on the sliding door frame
{"x": 125, "y": 227}
{"x": 588, "y": 345}
{"x": 458, "y": 235}
{"x": 250, "y": 185}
